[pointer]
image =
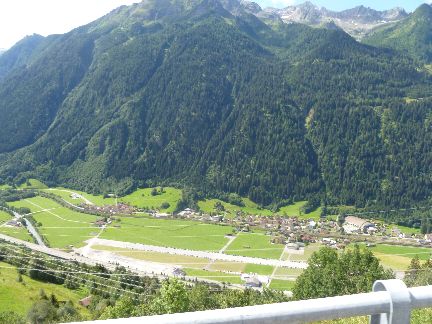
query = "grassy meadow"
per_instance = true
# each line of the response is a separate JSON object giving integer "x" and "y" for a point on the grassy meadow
{"x": 169, "y": 233}
{"x": 60, "y": 226}
{"x": 255, "y": 245}
{"x": 19, "y": 297}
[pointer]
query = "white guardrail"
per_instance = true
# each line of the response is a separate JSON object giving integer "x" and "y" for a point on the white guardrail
{"x": 390, "y": 302}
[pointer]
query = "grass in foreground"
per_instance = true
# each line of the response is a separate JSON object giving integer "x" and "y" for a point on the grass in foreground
{"x": 19, "y": 297}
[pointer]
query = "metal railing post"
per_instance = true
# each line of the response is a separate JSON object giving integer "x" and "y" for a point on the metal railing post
{"x": 400, "y": 308}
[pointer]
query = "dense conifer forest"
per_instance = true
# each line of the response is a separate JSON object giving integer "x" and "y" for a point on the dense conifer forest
{"x": 198, "y": 94}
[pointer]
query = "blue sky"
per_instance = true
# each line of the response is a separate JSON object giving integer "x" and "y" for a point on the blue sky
{"x": 338, "y": 5}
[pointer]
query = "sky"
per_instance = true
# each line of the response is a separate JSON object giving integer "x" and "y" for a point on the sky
{"x": 19, "y": 18}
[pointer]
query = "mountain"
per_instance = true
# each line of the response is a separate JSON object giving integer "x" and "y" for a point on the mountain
{"x": 357, "y": 21}
{"x": 412, "y": 35}
{"x": 206, "y": 94}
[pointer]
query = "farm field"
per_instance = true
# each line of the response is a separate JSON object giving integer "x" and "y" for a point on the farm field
{"x": 282, "y": 284}
{"x": 406, "y": 251}
{"x": 4, "y": 217}
{"x": 20, "y": 233}
{"x": 308, "y": 251}
{"x": 255, "y": 245}
{"x": 169, "y": 233}
{"x": 65, "y": 193}
{"x": 250, "y": 207}
{"x": 143, "y": 198}
{"x": 33, "y": 184}
{"x": 60, "y": 226}
{"x": 294, "y": 210}
{"x": 19, "y": 297}
{"x": 180, "y": 260}
{"x": 398, "y": 257}
{"x": 287, "y": 272}
{"x": 35, "y": 204}
{"x": 214, "y": 275}
{"x": 189, "y": 262}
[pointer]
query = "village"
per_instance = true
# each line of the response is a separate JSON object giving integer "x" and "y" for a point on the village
{"x": 295, "y": 232}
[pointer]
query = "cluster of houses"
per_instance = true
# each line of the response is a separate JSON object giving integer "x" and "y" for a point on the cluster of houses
{"x": 110, "y": 210}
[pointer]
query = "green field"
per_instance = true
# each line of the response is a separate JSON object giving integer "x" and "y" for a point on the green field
{"x": 143, "y": 198}
{"x": 250, "y": 207}
{"x": 405, "y": 251}
{"x": 60, "y": 226}
{"x": 308, "y": 250}
{"x": 33, "y": 184}
{"x": 65, "y": 193}
{"x": 398, "y": 257}
{"x": 20, "y": 233}
{"x": 214, "y": 275}
{"x": 4, "y": 217}
{"x": 255, "y": 245}
{"x": 16, "y": 232}
{"x": 294, "y": 210}
{"x": 407, "y": 230}
{"x": 282, "y": 284}
{"x": 19, "y": 297}
{"x": 180, "y": 260}
{"x": 169, "y": 233}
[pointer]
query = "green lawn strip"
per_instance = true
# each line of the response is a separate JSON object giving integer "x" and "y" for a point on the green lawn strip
{"x": 264, "y": 270}
{"x": 143, "y": 198}
{"x": 19, "y": 297}
{"x": 255, "y": 245}
{"x": 5, "y": 187}
{"x": 214, "y": 275}
{"x": 227, "y": 266}
{"x": 169, "y": 233}
{"x": 288, "y": 272}
{"x": 278, "y": 284}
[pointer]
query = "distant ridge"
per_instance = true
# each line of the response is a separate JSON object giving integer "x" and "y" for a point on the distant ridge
{"x": 357, "y": 21}
{"x": 412, "y": 35}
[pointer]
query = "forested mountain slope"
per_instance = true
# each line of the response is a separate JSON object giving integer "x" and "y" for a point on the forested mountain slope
{"x": 203, "y": 93}
{"x": 412, "y": 35}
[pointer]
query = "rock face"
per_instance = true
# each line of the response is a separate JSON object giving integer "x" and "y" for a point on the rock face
{"x": 357, "y": 21}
